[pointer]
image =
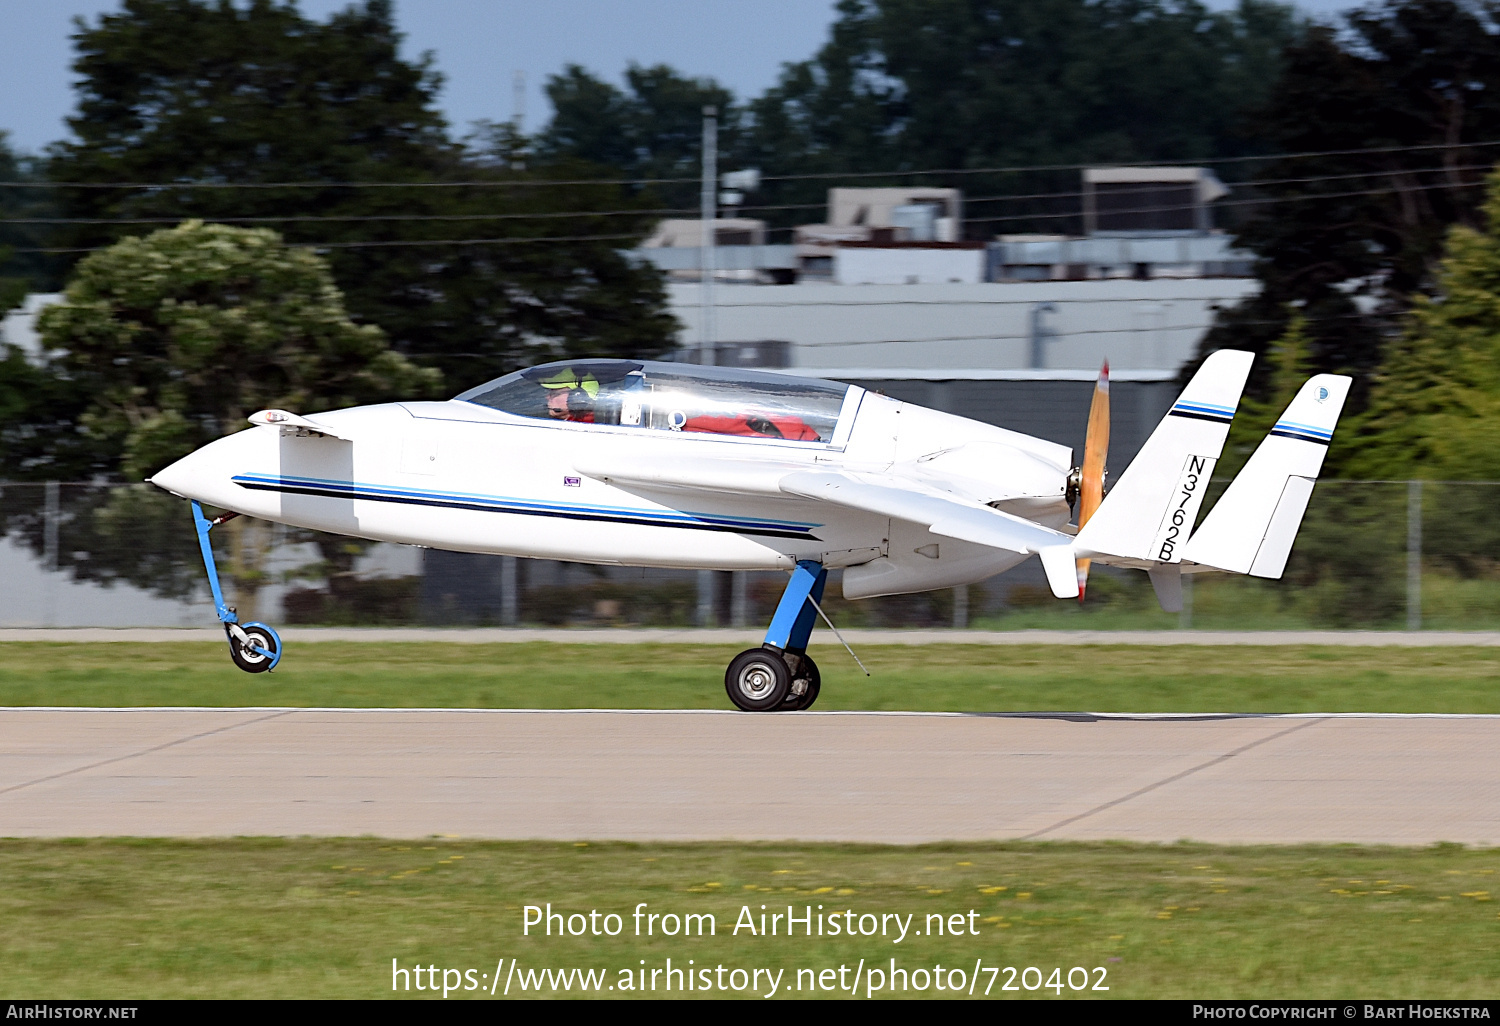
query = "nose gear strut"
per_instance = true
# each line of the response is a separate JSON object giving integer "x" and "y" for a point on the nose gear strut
{"x": 254, "y": 647}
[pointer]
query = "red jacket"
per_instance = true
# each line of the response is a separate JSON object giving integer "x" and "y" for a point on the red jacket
{"x": 755, "y": 425}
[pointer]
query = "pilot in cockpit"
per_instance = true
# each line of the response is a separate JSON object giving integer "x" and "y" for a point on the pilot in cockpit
{"x": 571, "y": 396}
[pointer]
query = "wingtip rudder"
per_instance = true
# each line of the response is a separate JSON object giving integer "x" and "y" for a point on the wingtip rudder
{"x": 1255, "y": 523}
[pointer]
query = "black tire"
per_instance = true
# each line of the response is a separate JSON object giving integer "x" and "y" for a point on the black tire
{"x": 757, "y": 680}
{"x": 247, "y": 659}
{"x": 804, "y": 671}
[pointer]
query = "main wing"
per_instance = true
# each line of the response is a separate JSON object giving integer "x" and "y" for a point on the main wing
{"x": 943, "y": 515}
{"x": 886, "y": 496}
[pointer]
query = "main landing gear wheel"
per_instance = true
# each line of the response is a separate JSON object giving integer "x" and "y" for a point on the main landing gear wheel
{"x": 806, "y": 683}
{"x": 758, "y": 680}
{"x": 258, "y": 652}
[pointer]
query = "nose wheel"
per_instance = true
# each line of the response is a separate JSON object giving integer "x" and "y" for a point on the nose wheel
{"x": 258, "y": 648}
{"x": 254, "y": 647}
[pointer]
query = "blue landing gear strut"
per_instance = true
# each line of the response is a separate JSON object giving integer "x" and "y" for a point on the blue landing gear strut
{"x": 779, "y": 675}
{"x": 254, "y": 647}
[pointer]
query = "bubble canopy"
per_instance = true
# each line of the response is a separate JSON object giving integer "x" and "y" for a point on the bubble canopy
{"x": 669, "y": 397}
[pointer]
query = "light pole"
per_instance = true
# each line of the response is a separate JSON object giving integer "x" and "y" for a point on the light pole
{"x": 1039, "y": 334}
{"x": 708, "y": 213}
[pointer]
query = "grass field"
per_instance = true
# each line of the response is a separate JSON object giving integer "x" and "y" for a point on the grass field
{"x": 324, "y": 918}
{"x": 935, "y": 677}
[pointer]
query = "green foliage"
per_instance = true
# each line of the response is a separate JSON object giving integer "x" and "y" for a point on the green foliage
{"x": 938, "y": 678}
{"x": 349, "y": 600}
{"x": 12, "y": 290}
{"x": 106, "y": 535}
{"x": 1399, "y": 73}
{"x": 1290, "y": 367}
{"x": 1347, "y": 566}
{"x": 40, "y": 436}
{"x": 198, "y": 93}
{"x": 958, "y": 84}
{"x": 1435, "y": 407}
{"x": 178, "y": 336}
{"x": 321, "y": 918}
{"x": 21, "y": 269}
{"x": 188, "y": 90}
{"x": 652, "y": 129}
{"x": 951, "y": 84}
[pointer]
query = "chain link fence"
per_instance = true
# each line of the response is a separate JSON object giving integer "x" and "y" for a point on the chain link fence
{"x": 1371, "y": 555}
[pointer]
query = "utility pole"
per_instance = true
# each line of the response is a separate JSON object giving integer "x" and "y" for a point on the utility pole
{"x": 707, "y": 210}
{"x": 1040, "y": 334}
{"x": 705, "y": 614}
{"x": 518, "y": 101}
{"x": 1414, "y": 555}
{"x": 510, "y": 605}
{"x": 961, "y": 607}
{"x": 51, "y": 514}
{"x": 739, "y": 598}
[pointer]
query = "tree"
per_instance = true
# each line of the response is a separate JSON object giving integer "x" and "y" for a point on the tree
{"x": 173, "y": 340}
{"x": 178, "y": 336}
{"x": 1344, "y": 569}
{"x": 40, "y": 434}
{"x": 920, "y": 84}
{"x": 222, "y": 104}
{"x": 1289, "y": 368}
{"x": 204, "y": 93}
{"x": 1350, "y": 237}
{"x": 923, "y": 84}
{"x": 554, "y": 281}
{"x": 22, "y": 270}
{"x": 1435, "y": 406}
{"x": 652, "y": 129}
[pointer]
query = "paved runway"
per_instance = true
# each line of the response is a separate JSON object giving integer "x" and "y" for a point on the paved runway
{"x": 876, "y": 777}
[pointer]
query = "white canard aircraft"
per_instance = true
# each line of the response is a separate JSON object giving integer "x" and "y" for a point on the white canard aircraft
{"x": 640, "y": 463}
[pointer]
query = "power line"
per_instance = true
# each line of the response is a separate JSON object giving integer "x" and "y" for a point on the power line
{"x": 326, "y": 218}
{"x": 822, "y": 175}
{"x": 1162, "y": 208}
{"x": 1084, "y": 301}
{"x": 398, "y": 242}
{"x": 683, "y": 210}
{"x": 1146, "y": 188}
{"x": 1136, "y": 163}
{"x": 1143, "y": 189}
{"x": 1051, "y": 333}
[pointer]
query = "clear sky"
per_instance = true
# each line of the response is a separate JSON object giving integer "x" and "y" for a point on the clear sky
{"x": 479, "y": 46}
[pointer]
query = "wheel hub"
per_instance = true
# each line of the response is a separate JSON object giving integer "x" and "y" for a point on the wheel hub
{"x": 757, "y": 681}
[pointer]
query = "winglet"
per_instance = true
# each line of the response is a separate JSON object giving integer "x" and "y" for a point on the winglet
{"x": 1251, "y": 528}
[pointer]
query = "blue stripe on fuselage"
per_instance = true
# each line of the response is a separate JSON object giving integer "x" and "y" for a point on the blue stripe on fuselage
{"x": 524, "y": 507}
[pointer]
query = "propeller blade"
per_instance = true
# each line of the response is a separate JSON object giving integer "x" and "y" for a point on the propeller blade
{"x": 1091, "y": 478}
